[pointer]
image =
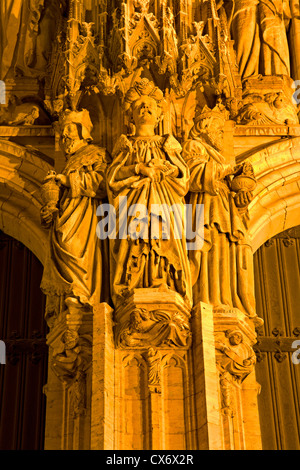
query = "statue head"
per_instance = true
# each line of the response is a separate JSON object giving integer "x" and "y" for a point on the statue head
{"x": 35, "y": 112}
{"x": 70, "y": 339}
{"x": 144, "y": 103}
{"x": 75, "y": 130}
{"x": 235, "y": 337}
{"x": 209, "y": 125}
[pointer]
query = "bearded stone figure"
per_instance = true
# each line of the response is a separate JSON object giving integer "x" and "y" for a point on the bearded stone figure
{"x": 76, "y": 255}
{"x": 149, "y": 174}
{"x": 222, "y": 271}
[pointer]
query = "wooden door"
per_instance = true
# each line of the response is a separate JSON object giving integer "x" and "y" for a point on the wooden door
{"x": 277, "y": 286}
{"x": 23, "y": 329}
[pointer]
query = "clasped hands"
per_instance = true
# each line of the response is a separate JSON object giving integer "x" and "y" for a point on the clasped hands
{"x": 157, "y": 170}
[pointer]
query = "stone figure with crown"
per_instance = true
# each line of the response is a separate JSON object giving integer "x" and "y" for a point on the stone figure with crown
{"x": 149, "y": 176}
{"x": 73, "y": 270}
{"x": 222, "y": 271}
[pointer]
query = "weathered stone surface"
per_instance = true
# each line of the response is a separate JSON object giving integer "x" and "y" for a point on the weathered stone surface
{"x": 151, "y": 343}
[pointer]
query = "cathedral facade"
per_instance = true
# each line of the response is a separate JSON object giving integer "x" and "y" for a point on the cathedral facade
{"x": 149, "y": 224}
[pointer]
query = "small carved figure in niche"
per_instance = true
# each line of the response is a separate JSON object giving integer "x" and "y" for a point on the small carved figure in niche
{"x": 66, "y": 355}
{"x": 238, "y": 357}
{"x": 26, "y": 119}
{"x": 154, "y": 370}
{"x": 147, "y": 169}
{"x": 157, "y": 328}
{"x": 222, "y": 271}
{"x": 74, "y": 266}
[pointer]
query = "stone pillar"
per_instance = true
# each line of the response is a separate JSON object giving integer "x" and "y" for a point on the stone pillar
{"x": 153, "y": 388}
{"x": 103, "y": 383}
{"x": 69, "y": 378}
{"x": 206, "y": 378}
{"x": 234, "y": 337}
{"x": 225, "y": 389}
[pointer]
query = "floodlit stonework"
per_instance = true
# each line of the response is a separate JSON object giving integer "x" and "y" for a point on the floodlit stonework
{"x": 154, "y": 343}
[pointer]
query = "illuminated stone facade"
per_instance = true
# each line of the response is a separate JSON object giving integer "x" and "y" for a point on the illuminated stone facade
{"x": 175, "y": 103}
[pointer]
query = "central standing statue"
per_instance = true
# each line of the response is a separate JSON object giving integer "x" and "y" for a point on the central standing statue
{"x": 148, "y": 170}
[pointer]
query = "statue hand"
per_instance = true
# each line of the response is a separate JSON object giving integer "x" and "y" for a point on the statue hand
{"x": 151, "y": 172}
{"x": 165, "y": 167}
{"x": 63, "y": 179}
{"x": 243, "y": 198}
{"x": 46, "y": 215}
{"x": 226, "y": 170}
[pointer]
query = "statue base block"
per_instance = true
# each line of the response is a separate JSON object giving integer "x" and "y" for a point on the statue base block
{"x": 153, "y": 318}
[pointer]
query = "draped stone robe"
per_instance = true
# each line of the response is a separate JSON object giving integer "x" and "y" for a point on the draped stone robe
{"x": 77, "y": 257}
{"x": 222, "y": 271}
{"x": 148, "y": 262}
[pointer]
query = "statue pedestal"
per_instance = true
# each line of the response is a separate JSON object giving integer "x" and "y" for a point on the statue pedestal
{"x": 153, "y": 318}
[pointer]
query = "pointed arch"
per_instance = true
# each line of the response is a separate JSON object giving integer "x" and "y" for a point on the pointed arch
{"x": 276, "y": 203}
{"x": 21, "y": 175}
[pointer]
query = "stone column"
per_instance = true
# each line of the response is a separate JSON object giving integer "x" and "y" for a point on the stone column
{"x": 103, "y": 382}
{"x": 153, "y": 389}
{"x": 69, "y": 377}
{"x": 206, "y": 378}
{"x": 234, "y": 337}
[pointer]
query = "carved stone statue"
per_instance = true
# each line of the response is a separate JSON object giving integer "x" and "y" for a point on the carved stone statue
{"x": 28, "y": 29}
{"x": 10, "y": 25}
{"x": 259, "y": 30}
{"x": 222, "y": 272}
{"x": 274, "y": 17}
{"x": 148, "y": 170}
{"x": 244, "y": 27}
{"x": 74, "y": 268}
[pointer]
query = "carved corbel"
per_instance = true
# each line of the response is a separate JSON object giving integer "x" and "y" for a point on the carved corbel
{"x": 71, "y": 356}
{"x": 71, "y": 359}
{"x": 235, "y": 361}
{"x": 237, "y": 357}
{"x": 160, "y": 328}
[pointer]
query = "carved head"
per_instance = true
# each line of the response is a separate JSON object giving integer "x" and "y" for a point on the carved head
{"x": 75, "y": 130}
{"x": 144, "y": 103}
{"x": 70, "y": 339}
{"x": 35, "y": 112}
{"x": 279, "y": 101}
{"x": 209, "y": 125}
{"x": 235, "y": 337}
